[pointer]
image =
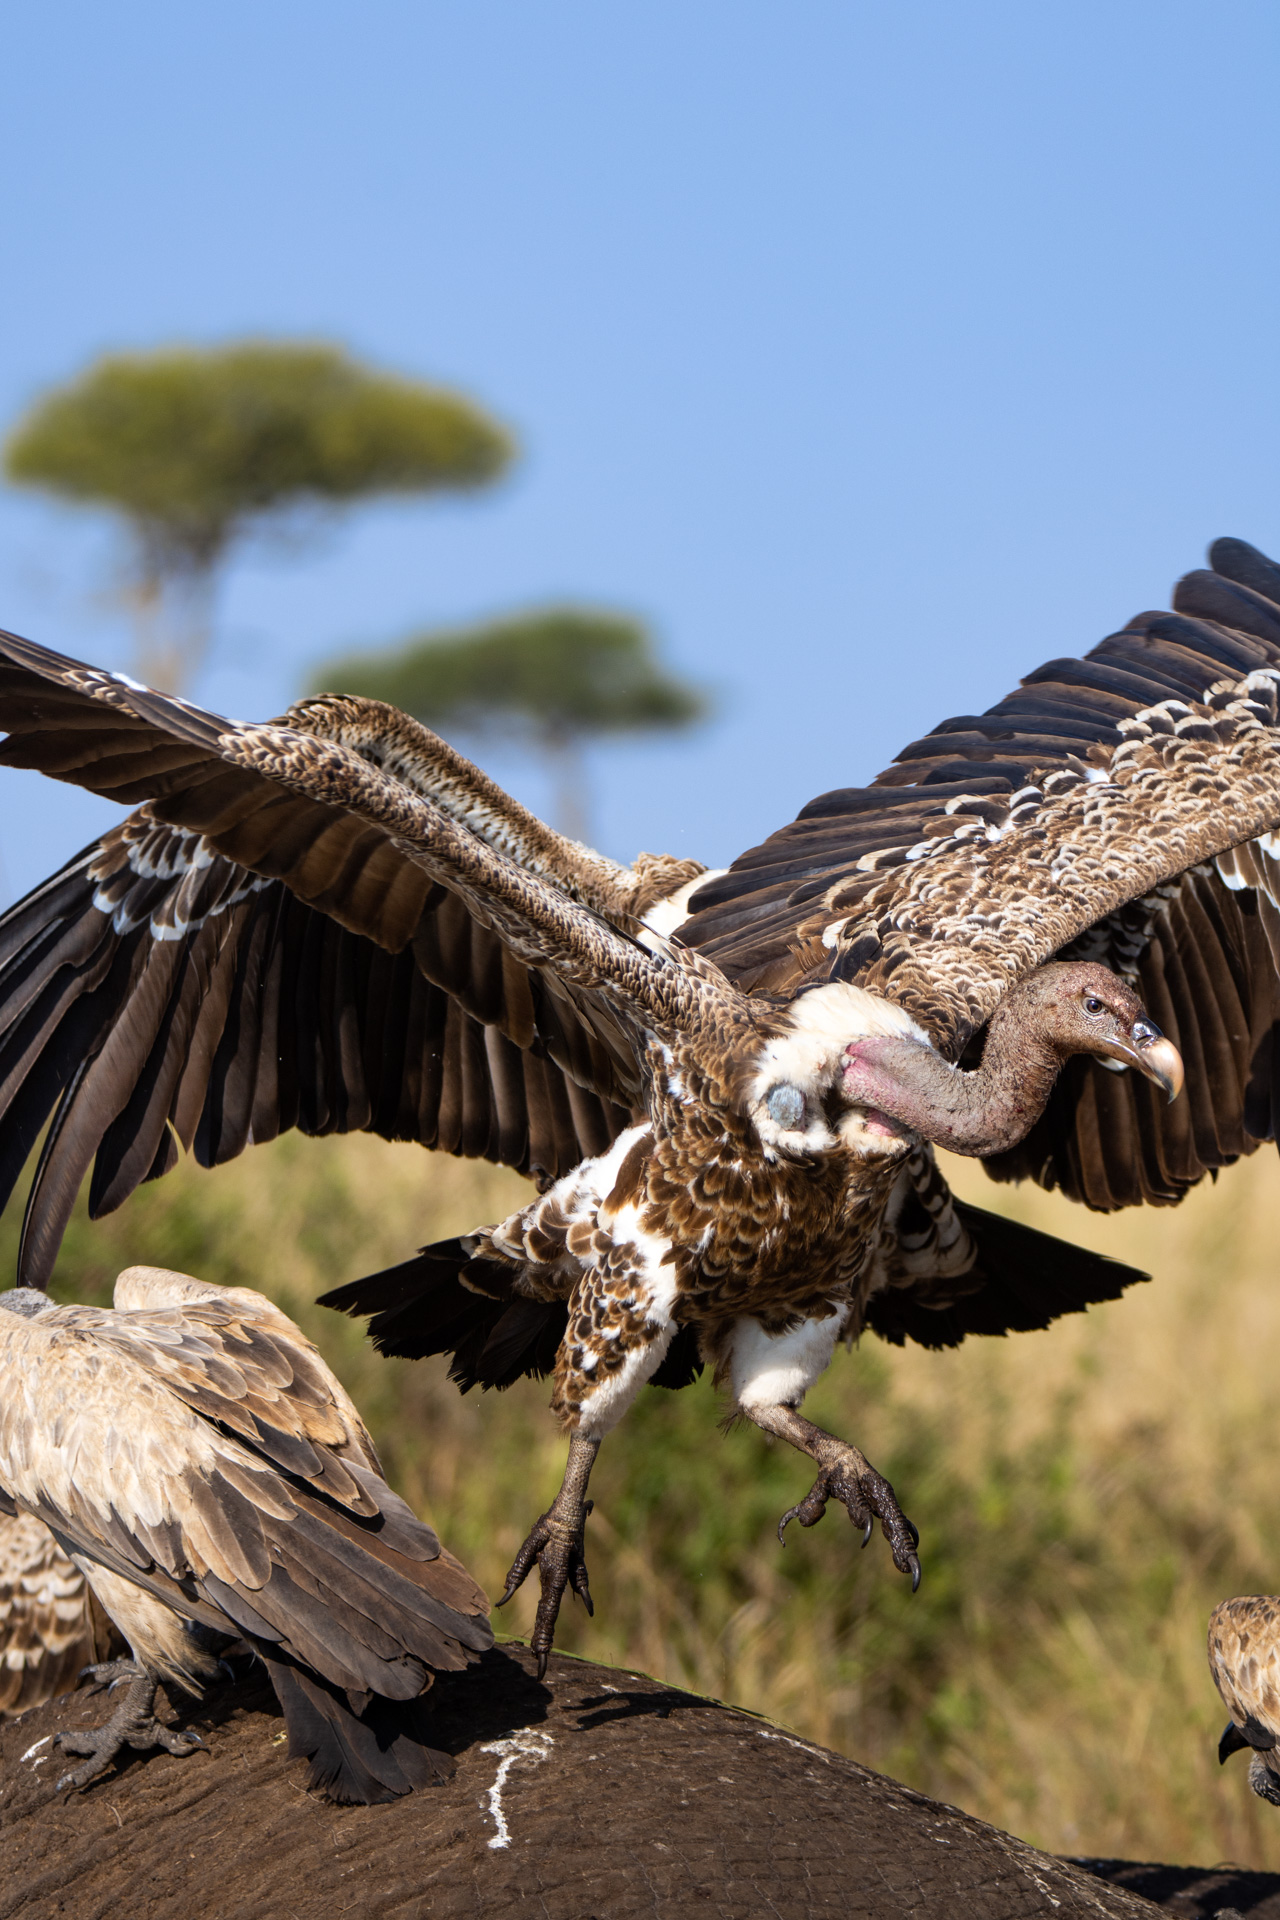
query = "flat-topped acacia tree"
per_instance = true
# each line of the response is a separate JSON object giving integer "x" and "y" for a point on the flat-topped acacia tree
{"x": 557, "y": 676}
{"x": 194, "y": 448}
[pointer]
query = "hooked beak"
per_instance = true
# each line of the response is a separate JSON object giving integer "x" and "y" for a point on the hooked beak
{"x": 1153, "y": 1055}
{"x": 1236, "y": 1738}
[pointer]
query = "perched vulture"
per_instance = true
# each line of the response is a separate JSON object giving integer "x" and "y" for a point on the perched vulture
{"x": 192, "y": 1455}
{"x": 726, "y": 1085}
{"x": 1244, "y": 1659}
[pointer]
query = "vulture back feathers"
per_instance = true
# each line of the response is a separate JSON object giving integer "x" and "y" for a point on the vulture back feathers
{"x": 192, "y": 1454}
{"x": 48, "y": 1631}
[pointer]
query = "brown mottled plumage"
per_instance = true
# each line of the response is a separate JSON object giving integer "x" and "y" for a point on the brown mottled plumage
{"x": 192, "y": 1455}
{"x": 1244, "y": 1659}
{"x": 725, "y": 1085}
{"x": 47, "y": 1627}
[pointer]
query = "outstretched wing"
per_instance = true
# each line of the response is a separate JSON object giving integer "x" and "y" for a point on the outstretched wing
{"x": 1117, "y": 807}
{"x": 235, "y": 959}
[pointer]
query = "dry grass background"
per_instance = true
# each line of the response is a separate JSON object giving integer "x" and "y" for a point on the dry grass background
{"x": 1085, "y": 1496}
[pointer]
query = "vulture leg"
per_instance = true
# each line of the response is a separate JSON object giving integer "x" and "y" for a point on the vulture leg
{"x": 848, "y": 1476}
{"x": 133, "y": 1724}
{"x": 556, "y": 1542}
{"x": 620, "y": 1327}
{"x": 771, "y": 1373}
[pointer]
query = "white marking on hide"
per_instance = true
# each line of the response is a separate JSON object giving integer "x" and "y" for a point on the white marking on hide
{"x": 778, "y": 1369}
{"x": 802, "y": 1746}
{"x": 529, "y": 1743}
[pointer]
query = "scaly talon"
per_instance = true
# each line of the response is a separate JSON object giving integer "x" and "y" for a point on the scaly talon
{"x": 556, "y": 1544}
{"x": 109, "y": 1673}
{"x": 133, "y": 1724}
{"x": 867, "y": 1497}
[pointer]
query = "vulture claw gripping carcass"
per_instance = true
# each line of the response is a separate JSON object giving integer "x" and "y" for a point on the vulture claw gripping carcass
{"x": 133, "y": 1724}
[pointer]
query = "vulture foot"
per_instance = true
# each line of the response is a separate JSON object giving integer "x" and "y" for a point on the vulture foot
{"x": 868, "y": 1497}
{"x": 110, "y": 1673}
{"x": 133, "y": 1724}
{"x": 555, "y": 1542}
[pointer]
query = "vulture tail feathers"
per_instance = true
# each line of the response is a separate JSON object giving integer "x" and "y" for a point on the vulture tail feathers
{"x": 357, "y": 1758}
{"x": 423, "y": 1307}
{"x": 1020, "y": 1279}
{"x": 495, "y": 1336}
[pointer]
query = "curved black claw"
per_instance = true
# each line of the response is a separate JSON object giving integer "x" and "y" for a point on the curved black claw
{"x": 109, "y": 1673}
{"x": 868, "y": 1497}
{"x": 133, "y": 1724}
{"x": 556, "y": 1544}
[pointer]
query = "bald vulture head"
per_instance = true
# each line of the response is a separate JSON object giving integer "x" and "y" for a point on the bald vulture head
{"x": 25, "y": 1301}
{"x": 1063, "y": 1009}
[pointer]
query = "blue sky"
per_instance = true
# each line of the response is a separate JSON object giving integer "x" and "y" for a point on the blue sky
{"x": 873, "y": 353}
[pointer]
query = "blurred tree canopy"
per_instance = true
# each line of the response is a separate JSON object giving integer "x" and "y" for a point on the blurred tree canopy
{"x": 196, "y": 447}
{"x": 558, "y": 677}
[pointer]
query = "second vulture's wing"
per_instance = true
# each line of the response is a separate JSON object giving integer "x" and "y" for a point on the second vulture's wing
{"x": 1118, "y": 808}
{"x": 235, "y": 959}
{"x": 154, "y": 1476}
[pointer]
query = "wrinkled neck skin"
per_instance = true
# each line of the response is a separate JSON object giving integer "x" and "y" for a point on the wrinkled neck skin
{"x": 979, "y": 1113}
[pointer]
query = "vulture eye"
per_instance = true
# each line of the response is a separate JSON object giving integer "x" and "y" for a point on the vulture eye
{"x": 786, "y": 1107}
{"x": 1092, "y": 1004}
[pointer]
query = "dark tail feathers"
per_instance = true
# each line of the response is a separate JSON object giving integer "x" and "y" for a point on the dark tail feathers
{"x": 1020, "y": 1279}
{"x": 422, "y": 1307}
{"x": 361, "y": 1758}
{"x": 495, "y": 1335}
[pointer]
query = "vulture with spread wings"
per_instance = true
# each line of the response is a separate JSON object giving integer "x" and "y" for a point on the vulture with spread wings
{"x": 726, "y": 1086}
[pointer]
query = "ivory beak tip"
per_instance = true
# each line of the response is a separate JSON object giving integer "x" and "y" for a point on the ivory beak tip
{"x": 1162, "y": 1063}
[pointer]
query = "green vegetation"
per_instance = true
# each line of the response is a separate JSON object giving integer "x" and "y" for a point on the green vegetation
{"x": 1084, "y": 1496}
{"x": 558, "y": 677}
{"x": 196, "y": 447}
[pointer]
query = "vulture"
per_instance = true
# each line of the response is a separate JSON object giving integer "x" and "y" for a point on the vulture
{"x": 191, "y": 1454}
{"x": 1244, "y": 1660}
{"x": 727, "y": 1086}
